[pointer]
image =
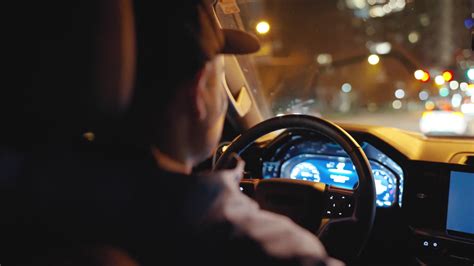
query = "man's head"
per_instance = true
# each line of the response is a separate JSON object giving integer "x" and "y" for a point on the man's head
{"x": 185, "y": 106}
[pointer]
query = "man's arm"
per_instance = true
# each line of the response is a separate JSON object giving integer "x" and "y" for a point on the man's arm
{"x": 276, "y": 235}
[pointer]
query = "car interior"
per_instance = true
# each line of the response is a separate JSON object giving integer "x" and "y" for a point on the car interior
{"x": 338, "y": 131}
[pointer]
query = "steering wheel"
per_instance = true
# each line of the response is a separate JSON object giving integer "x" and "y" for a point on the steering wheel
{"x": 341, "y": 218}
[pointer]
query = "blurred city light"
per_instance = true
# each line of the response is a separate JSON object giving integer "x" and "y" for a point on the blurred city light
{"x": 263, "y": 27}
{"x": 397, "y": 104}
{"x": 399, "y": 94}
{"x": 376, "y": 12}
{"x": 448, "y": 75}
{"x": 346, "y": 87}
{"x": 429, "y": 105}
{"x": 443, "y": 122}
{"x": 356, "y": 4}
{"x": 423, "y": 95}
{"x": 443, "y": 92}
{"x": 454, "y": 85}
{"x": 470, "y": 73}
{"x": 324, "y": 59}
{"x": 463, "y": 86}
{"x": 467, "y": 108}
{"x": 381, "y": 48}
{"x": 419, "y": 74}
{"x": 439, "y": 80}
{"x": 413, "y": 37}
{"x": 456, "y": 100}
{"x": 373, "y": 59}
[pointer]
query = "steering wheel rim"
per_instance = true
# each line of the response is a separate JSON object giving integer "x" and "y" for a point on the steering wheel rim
{"x": 364, "y": 194}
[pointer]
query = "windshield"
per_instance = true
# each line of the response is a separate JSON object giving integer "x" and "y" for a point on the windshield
{"x": 398, "y": 63}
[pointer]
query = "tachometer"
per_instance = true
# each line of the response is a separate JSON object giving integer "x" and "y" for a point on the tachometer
{"x": 386, "y": 187}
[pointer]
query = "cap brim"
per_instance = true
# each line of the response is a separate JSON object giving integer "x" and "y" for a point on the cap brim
{"x": 239, "y": 42}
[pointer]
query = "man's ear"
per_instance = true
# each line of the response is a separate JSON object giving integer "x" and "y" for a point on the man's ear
{"x": 197, "y": 102}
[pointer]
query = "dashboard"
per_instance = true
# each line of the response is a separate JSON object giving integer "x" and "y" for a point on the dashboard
{"x": 326, "y": 162}
{"x": 424, "y": 187}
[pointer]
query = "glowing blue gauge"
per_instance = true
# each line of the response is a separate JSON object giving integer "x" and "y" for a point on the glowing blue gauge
{"x": 385, "y": 186}
{"x": 340, "y": 172}
{"x": 305, "y": 171}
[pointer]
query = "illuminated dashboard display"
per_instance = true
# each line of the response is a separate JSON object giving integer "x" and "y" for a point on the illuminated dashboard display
{"x": 340, "y": 172}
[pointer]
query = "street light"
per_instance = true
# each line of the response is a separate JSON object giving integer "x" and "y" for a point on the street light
{"x": 262, "y": 27}
{"x": 373, "y": 59}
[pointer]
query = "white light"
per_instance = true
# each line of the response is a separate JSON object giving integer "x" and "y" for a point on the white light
{"x": 463, "y": 86}
{"x": 383, "y": 48}
{"x": 397, "y": 104}
{"x": 470, "y": 73}
{"x": 413, "y": 37}
{"x": 443, "y": 122}
{"x": 387, "y": 9}
{"x": 454, "y": 85}
{"x": 456, "y": 100}
{"x": 419, "y": 74}
{"x": 423, "y": 95}
{"x": 392, "y": 4}
{"x": 439, "y": 80}
{"x": 324, "y": 59}
{"x": 467, "y": 108}
{"x": 373, "y": 59}
{"x": 399, "y": 94}
{"x": 356, "y": 4}
{"x": 401, "y": 4}
{"x": 346, "y": 87}
{"x": 376, "y": 12}
{"x": 263, "y": 27}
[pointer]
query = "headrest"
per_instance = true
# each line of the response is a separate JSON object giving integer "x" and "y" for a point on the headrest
{"x": 72, "y": 64}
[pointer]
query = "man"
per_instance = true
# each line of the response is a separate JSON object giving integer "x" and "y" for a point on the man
{"x": 204, "y": 219}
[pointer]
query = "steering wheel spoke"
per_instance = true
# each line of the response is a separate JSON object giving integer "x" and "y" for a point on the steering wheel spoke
{"x": 338, "y": 203}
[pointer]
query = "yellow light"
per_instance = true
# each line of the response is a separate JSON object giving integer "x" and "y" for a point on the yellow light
{"x": 458, "y": 114}
{"x": 426, "y": 114}
{"x": 426, "y": 77}
{"x": 373, "y": 59}
{"x": 263, "y": 27}
{"x": 429, "y": 105}
{"x": 447, "y": 75}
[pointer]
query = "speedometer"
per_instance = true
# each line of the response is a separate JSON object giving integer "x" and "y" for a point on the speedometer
{"x": 305, "y": 171}
{"x": 340, "y": 172}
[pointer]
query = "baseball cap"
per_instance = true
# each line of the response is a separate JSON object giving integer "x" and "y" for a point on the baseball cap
{"x": 194, "y": 33}
{"x": 215, "y": 40}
